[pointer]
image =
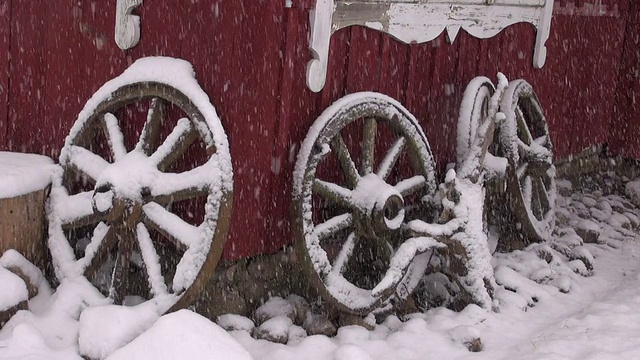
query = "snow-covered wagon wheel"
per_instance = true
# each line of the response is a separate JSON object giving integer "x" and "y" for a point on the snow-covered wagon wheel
{"x": 125, "y": 232}
{"x": 531, "y": 187}
{"x": 350, "y": 221}
{"x": 479, "y": 150}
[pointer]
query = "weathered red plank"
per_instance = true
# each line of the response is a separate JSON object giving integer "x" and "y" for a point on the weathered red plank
{"x": 443, "y": 108}
{"x": 623, "y": 136}
{"x": 5, "y": 35}
{"x": 27, "y": 80}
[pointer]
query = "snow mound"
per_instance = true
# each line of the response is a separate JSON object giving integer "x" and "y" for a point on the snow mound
{"x": 23, "y": 173}
{"x": 28, "y": 343}
{"x": 183, "y": 335}
{"x": 105, "y": 329}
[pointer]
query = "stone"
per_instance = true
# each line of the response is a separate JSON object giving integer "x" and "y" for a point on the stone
{"x": 275, "y": 329}
{"x": 300, "y": 307}
{"x": 588, "y": 230}
{"x": 233, "y": 322}
{"x": 276, "y": 306}
{"x": 315, "y": 324}
{"x": 582, "y": 254}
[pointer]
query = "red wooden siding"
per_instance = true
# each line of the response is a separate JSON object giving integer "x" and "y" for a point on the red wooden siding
{"x": 625, "y": 129}
{"x": 250, "y": 57}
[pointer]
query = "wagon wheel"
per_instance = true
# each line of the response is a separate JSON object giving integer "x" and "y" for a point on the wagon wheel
{"x": 487, "y": 156}
{"x": 531, "y": 187}
{"x": 354, "y": 248}
{"x": 474, "y": 110}
{"x": 129, "y": 214}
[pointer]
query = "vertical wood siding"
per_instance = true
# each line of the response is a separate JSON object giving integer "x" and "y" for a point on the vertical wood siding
{"x": 250, "y": 57}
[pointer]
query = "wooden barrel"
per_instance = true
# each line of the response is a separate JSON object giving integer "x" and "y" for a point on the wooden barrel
{"x": 24, "y": 186}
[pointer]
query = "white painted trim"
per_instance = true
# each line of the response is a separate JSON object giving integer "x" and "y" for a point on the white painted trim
{"x": 419, "y": 21}
{"x": 127, "y": 33}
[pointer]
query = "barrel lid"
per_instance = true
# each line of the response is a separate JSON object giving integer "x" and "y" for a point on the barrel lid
{"x": 21, "y": 174}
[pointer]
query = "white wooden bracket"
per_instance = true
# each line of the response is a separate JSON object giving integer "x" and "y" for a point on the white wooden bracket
{"x": 127, "y": 32}
{"x": 419, "y": 21}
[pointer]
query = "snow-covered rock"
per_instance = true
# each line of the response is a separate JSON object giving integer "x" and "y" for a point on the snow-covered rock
{"x": 12, "y": 290}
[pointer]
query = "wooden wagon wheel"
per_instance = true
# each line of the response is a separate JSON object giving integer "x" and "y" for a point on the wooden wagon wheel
{"x": 129, "y": 210}
{"x": 531, "y": 187}
{"x": 357, "y": 255}
{"x": 486, "y": 155}
{"x": 474, "y": 110}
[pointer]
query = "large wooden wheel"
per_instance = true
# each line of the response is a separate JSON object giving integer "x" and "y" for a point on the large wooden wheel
{"x": 531, "y": 188}
{"x": 351, "y": 233}
{"x": 115, "y": 214}
{"x": 479, "y": 150}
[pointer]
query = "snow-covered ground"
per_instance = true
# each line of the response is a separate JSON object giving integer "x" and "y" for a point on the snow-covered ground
{"x": 550, "y": 305}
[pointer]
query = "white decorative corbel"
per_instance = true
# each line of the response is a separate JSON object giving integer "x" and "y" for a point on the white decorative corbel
{"x": 127, "y": 32}
{"x": 544, "y": 28}
{"x": 419, "y": 21}
{"x": 320, "y": 25}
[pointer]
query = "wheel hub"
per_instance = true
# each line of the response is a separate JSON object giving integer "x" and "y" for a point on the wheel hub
{"x": 380, "y": 206}
{"x": 123, "y": 188}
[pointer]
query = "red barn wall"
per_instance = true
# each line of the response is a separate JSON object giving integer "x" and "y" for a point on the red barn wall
{"x": 250, "y": 57}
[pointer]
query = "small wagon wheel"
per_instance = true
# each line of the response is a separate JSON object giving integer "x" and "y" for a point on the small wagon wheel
{"x": 486, "y": 154}
{"x": 531, "y": 187}
{"x": 356, "y": 254}
{"x": 105, "y": 232}
{"x": 474, "y": 110}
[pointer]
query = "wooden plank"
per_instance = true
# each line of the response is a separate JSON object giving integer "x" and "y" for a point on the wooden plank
{"x": 91, "y": 58}
{"x": 27, "y": 81}
{"x": 393, "y": 69}
{"x": 5, "y": 38}
{"x": 442, "y": 103}
{"x": 364, "y": 64}
{"x": 235, "y": 49}
{"x": 623, "y": 135}
{"x": 551, "y": 84}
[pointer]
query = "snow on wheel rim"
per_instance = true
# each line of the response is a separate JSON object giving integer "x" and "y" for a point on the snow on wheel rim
{"x": 133, "y": 195}
{"x": 474, "y": 107}
{"x": 531, "y": 175}
{"x": 369, "y": 203}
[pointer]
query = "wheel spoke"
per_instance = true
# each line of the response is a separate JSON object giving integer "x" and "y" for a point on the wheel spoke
{"x": 346, "y": 163}
{"x": 175, "y": 144}
{"x": 333, "y": 192}
{"x": 333, "y": 226}
{"x": 150, "y": 136}
{"x": 521, "y": 171}
{"x": 103, "y": 241}
{"x": 391, "y": 157}
{"x": 114, "y": 136}
{"x": 367, "y": 157}
{"x": 523, "y": 129}
{"x": 344, "y": 255}
{"x": 527, "y": 192}
{"x": 411, "y": 185}
{"x": 120, "y": 280}
{"x": 171, "y": 226}
{"x": 151, "y": 262}
{"x": 84, "y": 162}
{"x": 76, "y": 211}
{"x": 543, "y": 196}
{"x": 197, "y": 182}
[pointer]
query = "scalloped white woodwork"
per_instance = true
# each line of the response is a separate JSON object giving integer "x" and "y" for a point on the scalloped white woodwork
{"x": 127, "y": 32}
{"x": 419, "y": 21}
